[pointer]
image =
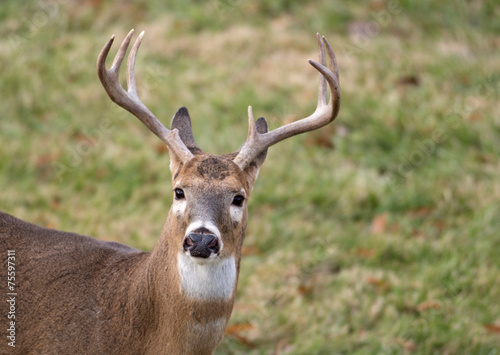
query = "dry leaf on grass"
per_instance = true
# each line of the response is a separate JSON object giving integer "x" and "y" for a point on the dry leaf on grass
{"x": 161, "y": 148}
{"x": 380, "y": 284}
{"x": 431, "y": 304}
{"x": 234, "y": 330}
{"x": 495, "y": 328}
{"x": 379, "y": 223}
{"x": 406, "y": 344}
{"x": 250, "y": 250}
{"x": 365, "y": 252}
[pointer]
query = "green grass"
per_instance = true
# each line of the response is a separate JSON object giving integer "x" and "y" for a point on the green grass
{"x": 376, "y": 235}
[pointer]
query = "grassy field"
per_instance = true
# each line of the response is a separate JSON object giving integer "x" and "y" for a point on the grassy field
{"x": 379, "y": 234}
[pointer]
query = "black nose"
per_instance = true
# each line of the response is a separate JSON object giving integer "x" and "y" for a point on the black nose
{"x": 201, "y": 245}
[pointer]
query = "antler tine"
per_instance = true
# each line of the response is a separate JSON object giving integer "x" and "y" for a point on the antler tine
{"x": 117, "y": 62}
{"x": 132, "y": 88}
{"x": 323, "y": 115}
{"x": 129, "y": 99}
{"x": 252, "y": 129}
{"x": 333, "y": 59}
{"x": 322, "y": 94}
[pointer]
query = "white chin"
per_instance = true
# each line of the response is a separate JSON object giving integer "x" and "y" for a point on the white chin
{"x": 207, "y": 278}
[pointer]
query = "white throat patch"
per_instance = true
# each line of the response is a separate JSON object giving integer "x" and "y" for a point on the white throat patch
{"x": 204, "y": 281}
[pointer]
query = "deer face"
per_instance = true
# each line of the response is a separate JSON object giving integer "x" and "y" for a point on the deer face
{"x": 207, "y": 220}
{"x": 210, "y": 207}
{"x": 209, "y": 210}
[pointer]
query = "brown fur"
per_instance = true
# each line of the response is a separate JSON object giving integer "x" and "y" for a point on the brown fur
{"x": 83, "y": 296}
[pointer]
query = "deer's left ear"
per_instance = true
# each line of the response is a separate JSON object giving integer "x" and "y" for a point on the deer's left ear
{"x": 252, "y": 169}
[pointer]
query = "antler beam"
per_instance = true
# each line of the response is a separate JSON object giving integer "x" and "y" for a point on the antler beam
{"x": 129, "y": 99}
{"x": 323, "y": 115}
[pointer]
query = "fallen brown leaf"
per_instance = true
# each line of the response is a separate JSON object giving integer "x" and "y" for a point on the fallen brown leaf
{"x": 44, "y": 159}
{"x": 80, "y": 137}
{"x": 431, "y": 304}
{"x": 234, "y": 330}
{"x": 321, "y": 139}
{"x": 250, "y": 250}
{"x": 238, "y": 327}
{"x": 380, "y": 284}
{"x": 409, "y": 80}
{"x": 304, "y": 290}
{"x": 495, "y": 328}
{"x": 379, "y": 223}
{"x": 55, "y": 202}
{"x": 440, "y": 225}
{"x": 244, "y": 341}
{"x": 406, "y": 344}
{"x": 421, "y": 212}
{"x": 365, "y": 252}
{"x": 417, "y": 233}
{"x": 475, "y": 116}
{"x": 161, "y": 148}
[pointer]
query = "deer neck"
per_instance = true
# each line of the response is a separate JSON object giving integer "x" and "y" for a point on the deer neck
{"x": 196, "y": 297}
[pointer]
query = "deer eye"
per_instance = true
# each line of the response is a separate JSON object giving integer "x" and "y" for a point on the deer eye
{"x": 238, "y": 200}
{"x": 179, "y": 194}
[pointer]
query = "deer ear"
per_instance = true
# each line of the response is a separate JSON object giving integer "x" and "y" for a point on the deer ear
{"x": 252, "y": 170}
{"x": 182, "y": 122}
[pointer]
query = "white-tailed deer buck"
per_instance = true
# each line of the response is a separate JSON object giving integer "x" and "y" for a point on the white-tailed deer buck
{"x": 74, "y": 294}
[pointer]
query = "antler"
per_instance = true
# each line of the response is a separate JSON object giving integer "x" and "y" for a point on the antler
{"x": 324, "y": 114}
{"x": 129, "y": 99}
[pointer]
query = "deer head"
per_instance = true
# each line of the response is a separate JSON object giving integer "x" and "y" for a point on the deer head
{"x": 211, "y": 192}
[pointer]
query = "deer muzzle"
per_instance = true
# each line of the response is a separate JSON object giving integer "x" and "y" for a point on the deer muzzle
{"x": 201, "y": 245}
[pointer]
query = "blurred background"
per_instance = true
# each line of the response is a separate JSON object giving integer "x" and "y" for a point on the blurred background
{"x": 378, "y": 234}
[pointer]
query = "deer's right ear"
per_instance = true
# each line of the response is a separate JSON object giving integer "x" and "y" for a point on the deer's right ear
{"x": 182, "y": 122}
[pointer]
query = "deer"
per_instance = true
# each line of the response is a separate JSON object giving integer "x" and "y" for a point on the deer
{"x": 75, "y": 294}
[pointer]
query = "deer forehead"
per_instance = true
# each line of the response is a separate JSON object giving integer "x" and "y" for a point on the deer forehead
{"x": 211, "y": 173}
